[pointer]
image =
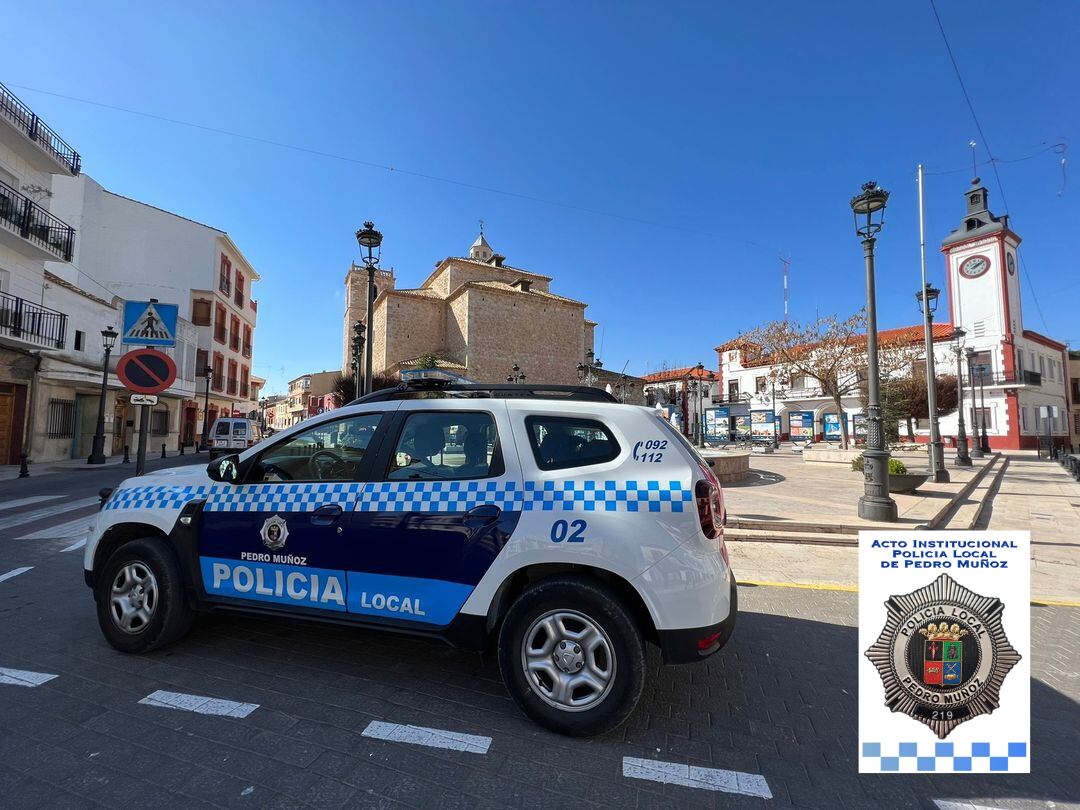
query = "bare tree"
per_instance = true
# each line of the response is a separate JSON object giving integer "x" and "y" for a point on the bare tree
{"x": 828, "y": 350}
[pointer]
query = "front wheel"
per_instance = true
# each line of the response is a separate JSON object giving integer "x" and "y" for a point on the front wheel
{"x": 140, "y": 597}
{"x": 572, "y": 656}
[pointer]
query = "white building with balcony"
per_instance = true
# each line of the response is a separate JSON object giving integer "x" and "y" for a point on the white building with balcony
{"x": 31, "y": 235}
{"x": 136, "y": 252}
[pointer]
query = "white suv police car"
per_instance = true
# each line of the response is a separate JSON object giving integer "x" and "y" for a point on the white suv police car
{"x": 566, "y": 527}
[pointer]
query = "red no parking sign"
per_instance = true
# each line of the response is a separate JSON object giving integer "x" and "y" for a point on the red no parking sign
{"x": 146, "y": 371}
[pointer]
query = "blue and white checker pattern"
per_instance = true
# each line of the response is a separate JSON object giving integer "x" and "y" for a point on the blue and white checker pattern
{"x": 438, "y": 496}
{"x": 157, "y": 497}
{"x": 417, "y": 496}
{"x": 948, "y": 757}
{"x": 281, "y": 497}
{"x": 607, "y": 496}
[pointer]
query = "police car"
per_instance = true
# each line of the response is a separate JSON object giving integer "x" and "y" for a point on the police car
{"x": 552, "y": 522}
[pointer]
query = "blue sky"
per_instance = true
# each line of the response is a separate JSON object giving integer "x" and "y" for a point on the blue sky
{"x": 686, "y": 145}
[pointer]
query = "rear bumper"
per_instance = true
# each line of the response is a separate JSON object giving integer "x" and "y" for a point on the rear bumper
{"x": 687, "y": 645}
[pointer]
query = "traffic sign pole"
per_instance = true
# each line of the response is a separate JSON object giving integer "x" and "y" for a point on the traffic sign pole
{"x": 140, "y": 459}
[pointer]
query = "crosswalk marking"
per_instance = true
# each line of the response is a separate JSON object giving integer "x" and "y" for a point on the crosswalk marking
{"x": 199, "y": 704}
{"x": 15, "y": 572}
{"x": 21, "y": 677}
{"x": 41, "y": 514}
{"x": 75, "y": 546}
{"x": 692, "y": 776}
{"x": 431, "y": 737}
{"x": 73, "y": 528}
{"x": 15, "y": 504}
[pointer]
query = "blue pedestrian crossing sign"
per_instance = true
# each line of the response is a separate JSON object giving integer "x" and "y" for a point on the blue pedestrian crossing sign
{"x": 149, "y": 323}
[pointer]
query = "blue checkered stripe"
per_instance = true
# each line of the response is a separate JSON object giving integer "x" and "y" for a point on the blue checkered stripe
{"x": 155, "y": 497}
{"x": 438, "y": 496}
{"x": 281, "y": 497}
{"x": 607, "y": 496}
{"x": 948, "y": 757}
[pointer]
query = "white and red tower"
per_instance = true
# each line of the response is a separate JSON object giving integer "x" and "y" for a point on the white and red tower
{"x": 1025, "y": 388}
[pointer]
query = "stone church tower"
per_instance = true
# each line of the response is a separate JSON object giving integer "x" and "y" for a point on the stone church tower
{"x": 356, "y": 283}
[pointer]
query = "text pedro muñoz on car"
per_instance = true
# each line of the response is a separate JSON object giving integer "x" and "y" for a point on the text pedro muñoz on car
{"x": 515, "y": 516}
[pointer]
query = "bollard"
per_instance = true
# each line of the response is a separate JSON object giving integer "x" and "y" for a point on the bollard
{"x": 127, "y": 458}
{"x": 181, "y": 448}
{"x": 24, "y": 469}
{"x": 163, "y": 451}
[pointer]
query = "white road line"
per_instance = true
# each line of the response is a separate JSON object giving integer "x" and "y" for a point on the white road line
{"x": 946, "y": 805}
{"x": 20, "y": 677}
{"x": 75, "y": 546}
{"x": 674, "y": 773}
{"x": 15, "y": 573}
{"x": 199, "y": 704}
{"x": 73, "y": 528}
{"x": 43, "y": 514}
{"x": 27, "y": 501}
{"x": 431, "y": 737}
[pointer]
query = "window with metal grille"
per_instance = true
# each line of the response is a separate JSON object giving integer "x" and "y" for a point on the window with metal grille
{"x": 61, "y": 420}
{"x": 159, "y": 422}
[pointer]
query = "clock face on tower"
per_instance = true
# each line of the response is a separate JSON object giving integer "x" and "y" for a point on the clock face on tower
{"x": 1010, "y": 262}
{"x": 974, "y": 266}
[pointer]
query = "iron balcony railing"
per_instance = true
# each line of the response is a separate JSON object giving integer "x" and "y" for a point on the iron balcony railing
{"x": 1005, "y": 378}
{"x": 37, "y": 130}
{"x": 34, "y": 223}
{"x": 31, "y": 322}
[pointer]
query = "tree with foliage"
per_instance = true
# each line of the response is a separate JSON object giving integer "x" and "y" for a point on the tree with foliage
{"x": 908, "y": 400}
{"x": 830, "y": 350}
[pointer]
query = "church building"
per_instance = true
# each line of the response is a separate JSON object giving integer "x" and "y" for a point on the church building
{"x": 478, "y": 315}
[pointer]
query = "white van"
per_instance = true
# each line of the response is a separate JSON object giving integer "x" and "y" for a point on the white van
{"x": 233, "y": 434}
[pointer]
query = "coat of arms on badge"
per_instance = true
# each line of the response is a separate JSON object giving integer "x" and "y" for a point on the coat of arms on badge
{"x": 274, "y": 533}
{"x": 943, "y": 654}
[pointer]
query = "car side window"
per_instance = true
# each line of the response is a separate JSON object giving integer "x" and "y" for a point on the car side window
{"x": 444, "y": 445}
{"x": 330, "y": 451}
{"x": 560, "y": 442}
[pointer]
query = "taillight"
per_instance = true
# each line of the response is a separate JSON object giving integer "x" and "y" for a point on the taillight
{"x": 710, "y": 508}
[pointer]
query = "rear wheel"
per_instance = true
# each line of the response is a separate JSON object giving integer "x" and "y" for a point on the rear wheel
{"x": 572, "y": 656}
{"x": 140, "y": 597}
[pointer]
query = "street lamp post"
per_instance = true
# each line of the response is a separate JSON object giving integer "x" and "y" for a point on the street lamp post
{"x": 775, "y": 418}
{"x": 985, "y": 442}
{"x": 586, "y": 371}
{"x": 875, "y": 504}
{"x": 370, "y": 241}
{"x": 97, "y": 449}
{"x": 208, "y": 372}
{"x": 928, "y": 300}
{"x": 516, "y": 375}
{"x": 357, "y": 351}
{"x": 976, "y": 444}
{"x": 962, "y": 457}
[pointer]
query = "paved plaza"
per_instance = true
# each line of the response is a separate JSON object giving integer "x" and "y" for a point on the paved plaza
{"x": 1033, "y": 494}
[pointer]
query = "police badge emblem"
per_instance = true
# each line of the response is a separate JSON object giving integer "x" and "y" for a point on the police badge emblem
{"x": 943, "y": 654}
{"x": 274, "y": 533}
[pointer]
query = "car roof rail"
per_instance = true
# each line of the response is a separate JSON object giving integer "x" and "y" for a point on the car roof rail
{"x": 432, "y": 389}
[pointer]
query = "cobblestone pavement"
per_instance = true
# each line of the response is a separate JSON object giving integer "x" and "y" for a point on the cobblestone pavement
{"x": 779, "y": 702}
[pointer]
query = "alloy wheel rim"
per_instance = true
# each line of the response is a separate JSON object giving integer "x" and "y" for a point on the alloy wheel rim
{"x": 133, "y": 597}
{"x": 568, "y": 660}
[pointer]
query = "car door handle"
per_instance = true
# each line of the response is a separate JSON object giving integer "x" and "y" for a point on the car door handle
{"x": 326, "y": 514}
{"x": 483, "y": 515}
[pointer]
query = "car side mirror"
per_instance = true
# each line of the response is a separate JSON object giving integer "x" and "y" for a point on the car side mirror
{"x": 225, "y": 469}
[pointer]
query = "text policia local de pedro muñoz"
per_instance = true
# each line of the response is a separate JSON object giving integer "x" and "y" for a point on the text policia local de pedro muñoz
{"x": 944, "y": 553}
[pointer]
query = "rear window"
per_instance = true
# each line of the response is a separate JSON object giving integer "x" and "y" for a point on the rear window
{"x": 560, "y": 442}
{"x": 222, "y": 428}
{"x": 239, "y": 429}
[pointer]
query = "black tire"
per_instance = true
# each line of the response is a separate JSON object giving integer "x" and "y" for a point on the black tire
{"x": 171, "y": 616}
{"x": 603, "y": 607}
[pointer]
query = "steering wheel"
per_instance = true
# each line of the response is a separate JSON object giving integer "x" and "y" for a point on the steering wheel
{"x": 324, "y": 463}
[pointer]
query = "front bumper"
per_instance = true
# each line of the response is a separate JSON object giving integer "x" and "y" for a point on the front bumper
{"x": 687, "y": 645}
